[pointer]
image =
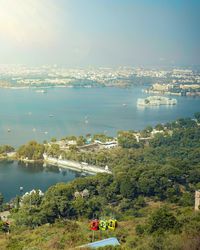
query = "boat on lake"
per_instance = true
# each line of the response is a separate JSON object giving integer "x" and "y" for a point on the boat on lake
{"x": 41, "y": 91}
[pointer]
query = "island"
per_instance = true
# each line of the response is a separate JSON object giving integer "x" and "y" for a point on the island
{"x": 156, "y": 101}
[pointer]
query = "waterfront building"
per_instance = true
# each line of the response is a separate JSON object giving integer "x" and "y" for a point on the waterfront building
{"x": 156, "y": 101}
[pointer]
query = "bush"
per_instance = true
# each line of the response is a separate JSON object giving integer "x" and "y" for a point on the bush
{"x": 162, "y": 220}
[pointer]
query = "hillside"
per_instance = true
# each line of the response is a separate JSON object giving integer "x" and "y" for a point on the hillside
{"x": 151, "y": 194}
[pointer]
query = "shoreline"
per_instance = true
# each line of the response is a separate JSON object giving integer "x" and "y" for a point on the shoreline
{"x": 65, "y": 164}
{"x": 71, "y": 86}
{"x": 81, "y": 167}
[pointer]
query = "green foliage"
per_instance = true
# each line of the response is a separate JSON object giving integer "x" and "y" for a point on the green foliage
{"x": 162, "y": 220}
{"x": 197, "y": 116}
{"x": 140, "y": 229}
{"x": 167, "y": 170}
{"x": 1, "y": 199}
{"x": 128, "y": 187}
{"x": 33, "y": 199}
{"x": 187, "y": 199}
{"x": 53, "y": 150}
{"x": 101, "y": 137}
{"x": 149, "y": 129}
{"x": 81, "y": 141}
{"x": 6, "y": 149}
{"x": 4, "y": 227}
{"x": 53, "y": 139}
{"x": 159, "y": 127}
{"x": 32, "y": 151}
{"x": 127, "y": 139}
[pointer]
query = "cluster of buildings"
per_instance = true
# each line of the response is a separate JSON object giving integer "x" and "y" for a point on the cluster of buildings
{"x": 88, "y": 146}
{"x": 44, "y": 76}
{"x": 22, "y": 76}
{"x": 179, "y": 89}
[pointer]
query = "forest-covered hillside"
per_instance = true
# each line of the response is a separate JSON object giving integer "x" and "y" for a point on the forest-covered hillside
{"x": 151, "y": 194}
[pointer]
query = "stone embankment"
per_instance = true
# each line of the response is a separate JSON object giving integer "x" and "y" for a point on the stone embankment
{"x": 83, "y": 167}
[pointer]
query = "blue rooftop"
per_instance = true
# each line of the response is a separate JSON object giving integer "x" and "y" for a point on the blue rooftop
{"x": 102, "y": 243}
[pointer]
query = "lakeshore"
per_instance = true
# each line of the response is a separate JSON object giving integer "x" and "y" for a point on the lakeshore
{"x": 15, "y": 174}
{"x": 73, "y": 165}
{"x": 65, "y": 164}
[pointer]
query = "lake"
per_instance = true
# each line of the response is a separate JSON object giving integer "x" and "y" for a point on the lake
{"x": 26, "y": 115}
{"x": 60, "y": 112}
{"x": 14, "y": 175}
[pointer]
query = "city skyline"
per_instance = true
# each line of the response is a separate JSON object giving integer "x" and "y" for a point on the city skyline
{"x": 100, "y": 33}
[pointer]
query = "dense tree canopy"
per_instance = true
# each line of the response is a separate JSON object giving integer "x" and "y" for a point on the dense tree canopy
{"x": 32, "y": 151}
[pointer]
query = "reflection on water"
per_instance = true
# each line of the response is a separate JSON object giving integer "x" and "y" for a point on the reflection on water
{"x": 14, "y": 175}
{"x": 30, "y": 167}
{"x": 4, "y": 162}
{"x": 53, "y": 169}
{"x": 154, "y": 107}
{"x": 39, "y": 167}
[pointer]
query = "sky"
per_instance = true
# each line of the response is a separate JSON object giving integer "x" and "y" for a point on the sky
{"x": 106, "y": 33}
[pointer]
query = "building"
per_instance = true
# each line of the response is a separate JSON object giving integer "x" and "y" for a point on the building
{"x": 197, "y": 200}
{"x": 162, "y": 87}
{"x": 107, "y": 144}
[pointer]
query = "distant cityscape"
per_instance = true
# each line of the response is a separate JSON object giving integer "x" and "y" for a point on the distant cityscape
{"x": 175, "y": 81}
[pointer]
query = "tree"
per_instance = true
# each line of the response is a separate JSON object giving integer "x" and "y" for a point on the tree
{"x": 53, "y": 139}
{"x": 128, "y": 188}
{"x": 127, "y": 139}
{"x": 32, "y": 151}
{"x": 33, "y": 199}
{"x": 100, "y": 137}
{"x": 81, "y": 141}
{"x": 197, "y": 116}
{"x": 4, "y": 227}
{"x": 1, "y": 199}
{"x": 54, "y": 150}
{"x": 149, "y": 129}
{"x": 6, "y": 149}
{"x": 159, "y": 127}
{"x": 187, "y": 199}
{"x": 162, "y": 220}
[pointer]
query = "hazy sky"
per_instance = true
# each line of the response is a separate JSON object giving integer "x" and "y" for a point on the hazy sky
{"x": 78, "y": 33}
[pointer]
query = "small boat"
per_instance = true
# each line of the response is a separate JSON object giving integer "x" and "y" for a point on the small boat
{"x": 51, "y": 115}
{"x": 86, "y": 119}
{"x": 8, "y": 130}
{"x": 41, "y": 91}
{"x": 46, "y": 132}
{"x": 124, "y": 104}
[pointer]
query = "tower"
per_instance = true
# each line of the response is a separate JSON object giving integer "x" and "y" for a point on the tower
{"x": 197, "y": 200}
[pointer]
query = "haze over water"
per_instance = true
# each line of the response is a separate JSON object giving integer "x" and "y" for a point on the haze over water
{"x": 77, "y": 111}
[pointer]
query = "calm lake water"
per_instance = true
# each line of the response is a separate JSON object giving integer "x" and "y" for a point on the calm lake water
{"x": 78, "y": 111}
{"x": 13, "y": 175}
{"x": 71, "y": 111}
